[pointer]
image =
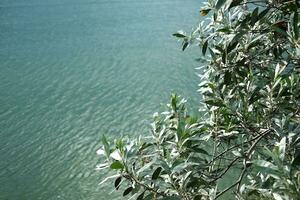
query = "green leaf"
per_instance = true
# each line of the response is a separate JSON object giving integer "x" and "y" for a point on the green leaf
{"x": 295, "y": 25}
{"x": 281, "y": 148}
{"x": 265, "y": 164}
{"x": 231, "y": 46}
{"x": 141, "y": 196}
{"x": 254, "y": 16}
{"x": 212, "y": 53}
{"x": 149, "y": 197}
{"x": 171, "y": 198}
{"x": 117, "y": 182}
{"x": 224, "y": 57}
{"x": 220, "y": 3}
{"x": 204, "y": 48}
{"x": 224, "y": 30}
{"x": 256, "y": 95}
{"x": 116, "y": 165}
{"x": 179, "y": 34}
{"x": 179, "y": 166}
{"x": 263, "y": 13}
{"x": 214, "y": 102}
{"x": 280, "y": 31}
{"x": 296, "y": 161}
{"x": 235, "y": 3}
{"x": 156, "y": 173}
{"x": 184, "y": 46}
{"x": 127, "y": 191}
{"x": 237, "y": 37}
{"x": 237, "y": 153}
{"x": 277, "y": 196}
{"x": 198, "y": 197}
{"x": 199, "y": 150}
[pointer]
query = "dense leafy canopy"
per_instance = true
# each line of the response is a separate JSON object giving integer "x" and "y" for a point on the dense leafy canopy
{"x": 250, "y": 113}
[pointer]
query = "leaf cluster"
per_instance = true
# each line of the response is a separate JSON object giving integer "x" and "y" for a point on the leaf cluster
{"x": 250, "y": 122}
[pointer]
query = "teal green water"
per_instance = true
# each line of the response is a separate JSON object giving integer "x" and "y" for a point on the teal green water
{"x": 72, "y": 70}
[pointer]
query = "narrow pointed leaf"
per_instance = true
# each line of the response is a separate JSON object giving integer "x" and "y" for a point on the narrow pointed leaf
{"x": 184, "y": 46}
{"x": 117, "y": 182}
{"x": 141, "y": 196}
{"x": 204, "y": 48}
{"x": 295, "y": 25}
{"x": 263, "y": 13}
{"x": 220, "y": 3}
{"x": 179, "y": 34}
{"x": 156, "y": 173}
{"x": 127, "y": 191}
{"x": 254, "y": 16}
{"x": 235, "y": 3}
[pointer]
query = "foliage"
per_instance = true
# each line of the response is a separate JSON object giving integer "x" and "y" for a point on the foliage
{"x": 250, "y": 121}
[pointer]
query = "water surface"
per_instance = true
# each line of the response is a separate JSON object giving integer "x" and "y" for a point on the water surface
{"x": 71, "y": 70}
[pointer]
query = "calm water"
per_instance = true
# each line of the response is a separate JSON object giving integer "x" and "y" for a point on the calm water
{"x": 72, "y": 70}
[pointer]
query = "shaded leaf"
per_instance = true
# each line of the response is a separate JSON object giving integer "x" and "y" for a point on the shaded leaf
{"x": 127, "y": 191}
{"x": 263, "y": 13}
{"x": 254, "y": 16}
{"x": 231, "y": 46}
{"x": 235, "y": 3}
{"x": 200, "y": 150}
{"x": 212, "y": 53}
{"x": 179, "y": 34}
{"x": 280, "y": 31}
{"x": 295, "y": 25}
{"x": 224, "y": 30}
{"x": 171, "y": 198}
{"x": 214, "y": 102}
{"x": 220, "y": 3}
{"x": 296, "y": 161}
{"x": 149, "y": 196}
{"x": 197, "y": 197}
{"x": 156, "y": 173}
{"x": 141, "y": 196}
{"x": 184, "y": 46}
{"x": 204, "y": 48}
{"x": 224, "y": 57}
{"x": 256, "y": 95}
{"x": 117, "y": 182}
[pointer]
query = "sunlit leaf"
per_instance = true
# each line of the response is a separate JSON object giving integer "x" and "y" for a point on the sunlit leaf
{"x": 116, "y": 155}
{"x": 116, "y": 165}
